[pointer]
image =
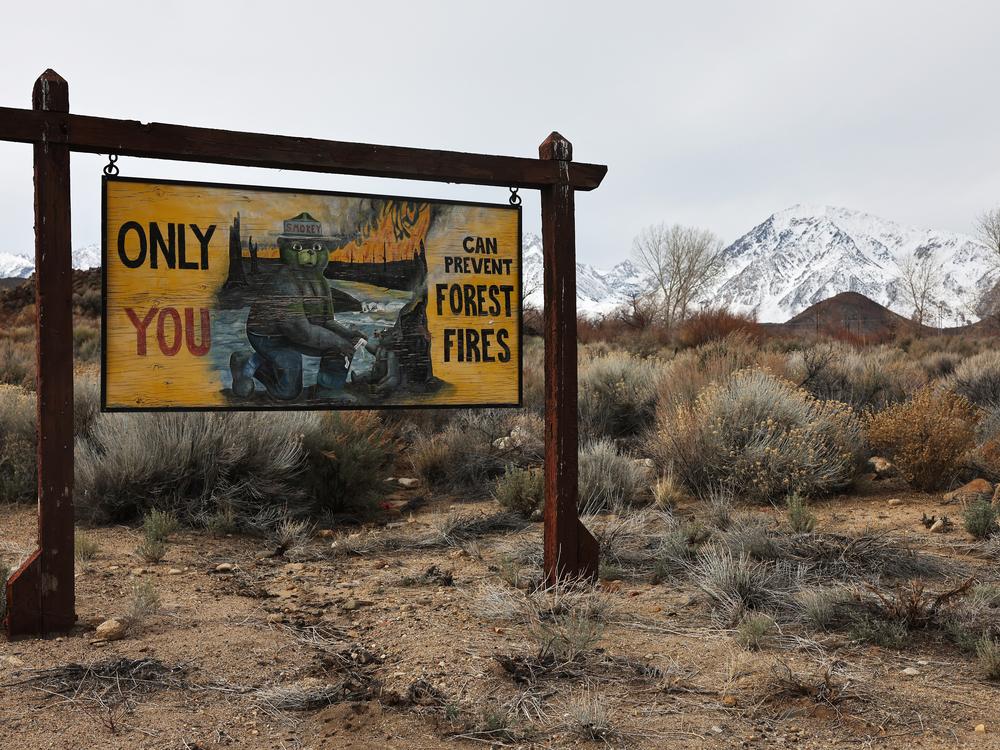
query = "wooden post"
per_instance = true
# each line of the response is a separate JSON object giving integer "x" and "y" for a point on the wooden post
{"x": 40, "y": 596}
{"x": 570, "y": 550}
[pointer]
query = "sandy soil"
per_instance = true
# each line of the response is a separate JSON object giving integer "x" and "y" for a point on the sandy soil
{"x": 410, "y": 659}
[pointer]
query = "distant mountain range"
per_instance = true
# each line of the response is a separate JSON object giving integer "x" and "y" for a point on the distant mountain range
{"x": 17, "y": 266}
{"x": 806, "y": 254}
{"x": 798, "y": 257}
{"x": 793, "y": 259}
{"x": 597, "y": 292}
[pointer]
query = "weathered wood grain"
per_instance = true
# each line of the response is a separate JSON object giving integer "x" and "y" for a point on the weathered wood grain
{"x": 40, "y": 595}
{"x": 570, "y": 550}
{"x": 103, "y": 135}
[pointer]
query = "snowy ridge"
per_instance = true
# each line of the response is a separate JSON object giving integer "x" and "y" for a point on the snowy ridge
{"x": 806, "y": 254}
{"x": 798, "y": 257}
{"x": 598, "y": 292}
{"x": 17, "y": 266}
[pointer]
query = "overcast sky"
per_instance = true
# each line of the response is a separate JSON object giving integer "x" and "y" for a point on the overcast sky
{"x": 714, "y": 114}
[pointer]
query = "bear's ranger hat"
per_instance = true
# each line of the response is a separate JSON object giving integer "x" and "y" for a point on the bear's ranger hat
{"x": 305, "y": 227}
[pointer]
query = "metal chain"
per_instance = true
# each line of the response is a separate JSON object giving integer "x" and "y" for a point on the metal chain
{"x": 111, "y": 169}
{"x": 515, "y": 199}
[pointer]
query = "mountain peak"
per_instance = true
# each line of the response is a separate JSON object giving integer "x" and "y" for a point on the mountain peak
{"x": 807, "y": 253}
{"x": 19, "y": 266}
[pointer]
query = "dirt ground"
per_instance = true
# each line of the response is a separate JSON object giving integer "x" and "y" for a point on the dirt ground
{"x": 402, "y": 653}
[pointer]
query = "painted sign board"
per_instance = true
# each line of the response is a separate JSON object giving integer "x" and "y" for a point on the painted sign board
{"x": 225, "y": 297}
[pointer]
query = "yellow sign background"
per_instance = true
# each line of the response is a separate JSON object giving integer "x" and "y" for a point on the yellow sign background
{"x": 182, "y": 380}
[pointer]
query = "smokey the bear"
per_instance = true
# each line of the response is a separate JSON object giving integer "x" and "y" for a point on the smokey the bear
{"x": 292, "y": 317}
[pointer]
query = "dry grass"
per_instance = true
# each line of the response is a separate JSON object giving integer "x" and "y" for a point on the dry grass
{"x": 143, "y": 604}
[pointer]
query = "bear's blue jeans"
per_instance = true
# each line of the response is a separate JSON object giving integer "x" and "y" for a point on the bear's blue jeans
{"x": 278, "y": 365}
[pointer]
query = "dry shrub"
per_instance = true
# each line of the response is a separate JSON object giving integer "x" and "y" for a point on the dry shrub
{"x": 980, "y": 519}
{"x": 86, "y": 341}
{"x": 715, "y": 325}
{"x": 690, "y": 372}
{"x": 925, "y": 437}
{"x": 977, "y": 379}
{"x": 617, "y": 395}
{"x": 609, "y": 477}
{"x": 855, "y": 338}
{"x": 533, "y": 375}
{"x": 939, "y": 364}
{"x": 17, "y": 363}
{"x": 252, "y": 469}
{"x": 18, "y": 465}
{"x": 984, "y": 459}
{"x": 638, "y": 333}
{"x": 736, "y": 586}
{"x": 345, "y": 460}
{"x": 870, "y": 379}
{"x": 762, "y": 437}
{"x": 520, "y": 491}
{"x": 988, "y": 655}
{"x": 476, "y": 448}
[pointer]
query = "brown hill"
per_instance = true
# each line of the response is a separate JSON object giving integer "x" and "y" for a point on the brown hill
{"x": 851, "y": 313}
{"x": 856, "y": 315}
{"x": 86, "y": 294}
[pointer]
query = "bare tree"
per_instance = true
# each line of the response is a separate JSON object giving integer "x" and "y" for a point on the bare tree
{"x": 684, "y": 262}
{"x": 921, "y": 279}
{"x": 987, "y": 304}
{"x": 639, "y": 311}
{"x": 988, "y": 229}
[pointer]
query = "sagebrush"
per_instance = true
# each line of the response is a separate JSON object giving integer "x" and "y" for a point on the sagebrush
{"x": 925, "y": 437}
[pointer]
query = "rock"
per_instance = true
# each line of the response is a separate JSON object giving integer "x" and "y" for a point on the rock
{"x": 174, "y": 572}
{"x": 225, "y": 568}
{"x": 977, "y": 489}
{"x": 938, "y": 526}
{"x": 138, "y": 571}
{"x": 111, "y": 630}
{"x": 408, "y": 482}
{"x": 326, "y": 533}
{"x": 729, "y": 700}
{"x": 352, "y": 604}
{"x": 275, "y": 617}
{"x": 882, "y": 467}
{"x": 896, "y": 501}
{"x": 980, "y": 729}
{"x": 911, "y": 671}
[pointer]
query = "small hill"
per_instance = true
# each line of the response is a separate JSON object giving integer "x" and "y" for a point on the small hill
{"x": 859, "y": 316}
{"x": 852, "y": 313}
{"x": 14, "y": 297}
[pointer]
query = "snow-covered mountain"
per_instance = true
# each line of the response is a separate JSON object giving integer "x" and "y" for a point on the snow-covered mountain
{"x": 805, "y": 254}
{"x": 17, "y": 266}
{"x": 597, "y": 292}
{"x": 798, "y": 257}
{"x": 13, "y": 266}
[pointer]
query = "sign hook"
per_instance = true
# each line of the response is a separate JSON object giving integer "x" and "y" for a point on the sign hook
{"x": 111, "y": 169}
{"x": 515, "y": 199}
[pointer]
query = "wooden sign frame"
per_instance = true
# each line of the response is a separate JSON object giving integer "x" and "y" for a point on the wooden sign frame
{"x": 40, "y": 594}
